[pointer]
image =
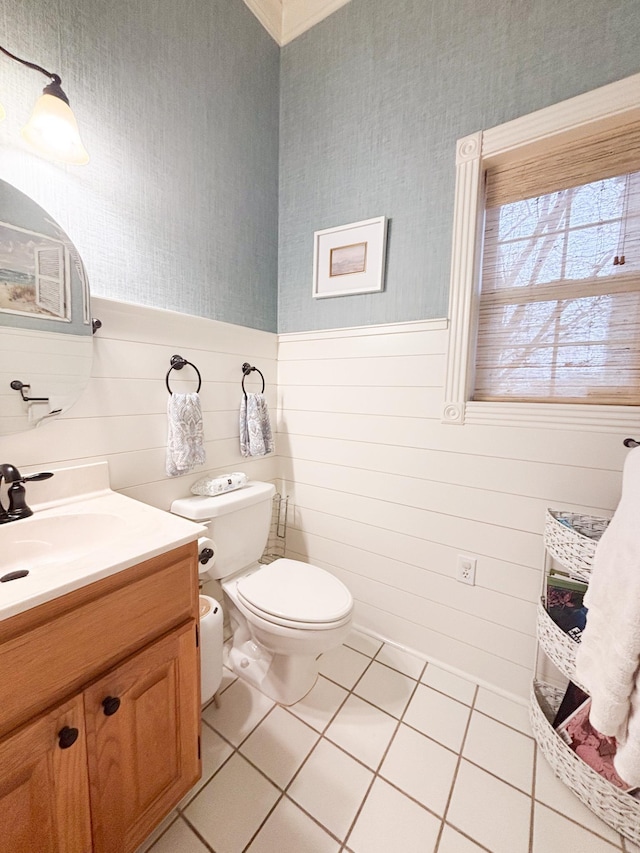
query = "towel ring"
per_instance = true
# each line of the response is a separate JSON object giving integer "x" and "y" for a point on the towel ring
{"x": 177, "y": 363}
{"x": 246, "y": 370}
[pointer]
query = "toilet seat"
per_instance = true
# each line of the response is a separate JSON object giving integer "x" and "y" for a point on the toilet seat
{"x": 295, "y": 594}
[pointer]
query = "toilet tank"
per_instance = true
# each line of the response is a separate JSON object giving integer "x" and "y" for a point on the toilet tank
{"x": 238, "y": 523}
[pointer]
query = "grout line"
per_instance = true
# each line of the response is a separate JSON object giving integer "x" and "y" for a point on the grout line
{"x": 197, "y": 834}
{"x": 376, "y": 772}
{"x": 262, "y": 824}
{"x": 533, "y": 796}
{"x": 455, "y": 772}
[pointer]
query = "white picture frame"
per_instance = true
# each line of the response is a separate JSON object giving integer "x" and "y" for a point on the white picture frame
{"x": 349, "y": 259}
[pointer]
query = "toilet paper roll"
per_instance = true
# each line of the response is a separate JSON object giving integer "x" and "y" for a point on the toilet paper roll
{"x": 210, "y": 647}
{"x": 206, "y": 554}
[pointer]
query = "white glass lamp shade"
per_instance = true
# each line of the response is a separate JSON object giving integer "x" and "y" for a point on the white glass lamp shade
{"x": 53, "y": 130}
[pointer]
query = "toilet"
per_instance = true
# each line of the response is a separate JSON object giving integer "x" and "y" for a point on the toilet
{"x": 284, "y": 614}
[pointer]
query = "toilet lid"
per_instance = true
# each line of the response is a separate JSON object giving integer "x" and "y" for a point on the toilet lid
{"x": 289, "y": 589}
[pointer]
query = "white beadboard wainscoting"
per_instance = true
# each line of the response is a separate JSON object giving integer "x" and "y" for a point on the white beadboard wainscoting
{"x": 121, "y": 416}
{"x": 386, "y": 496}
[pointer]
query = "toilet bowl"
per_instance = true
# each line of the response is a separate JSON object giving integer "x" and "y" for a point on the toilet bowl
{"x": 284, "y": 614}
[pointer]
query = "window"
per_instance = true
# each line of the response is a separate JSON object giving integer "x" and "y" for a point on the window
{"x": 545, "y": 289}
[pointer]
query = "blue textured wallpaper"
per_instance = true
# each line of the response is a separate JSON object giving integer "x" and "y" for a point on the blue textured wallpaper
{"x": 373, "y": 99}
{"x": 178, "y": 107}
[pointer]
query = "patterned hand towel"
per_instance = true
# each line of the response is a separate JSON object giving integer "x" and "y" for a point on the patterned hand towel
{"x": 185, "y": 441}
{"x": 256, "y": 438}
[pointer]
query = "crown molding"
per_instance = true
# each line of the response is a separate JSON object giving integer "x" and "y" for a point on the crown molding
{"x": 300, "y": 15}
{"x": 269, "y": 13}
{"x": 284, "y": 20}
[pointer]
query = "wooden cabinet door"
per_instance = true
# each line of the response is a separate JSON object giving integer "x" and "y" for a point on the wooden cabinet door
{"x": 143, "y": 724}
{"x": 44, "y": 790}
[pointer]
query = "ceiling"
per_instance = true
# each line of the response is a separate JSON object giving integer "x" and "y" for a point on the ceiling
{"x": 286, "y": 19}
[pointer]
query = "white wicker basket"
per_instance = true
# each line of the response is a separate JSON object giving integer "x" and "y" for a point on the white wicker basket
{"x": 573, "y": 546}
{"x": 556, "y": 643}
{"x": 616, "y": 808}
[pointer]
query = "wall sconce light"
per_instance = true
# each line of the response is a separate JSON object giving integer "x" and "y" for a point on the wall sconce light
{"x": 52, "y": 128}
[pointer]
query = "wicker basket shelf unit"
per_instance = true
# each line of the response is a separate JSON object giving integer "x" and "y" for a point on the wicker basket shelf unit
{"x": 556, "y": 644}
{"x": 571, "y": 539}
{"x": 615, "y": 807}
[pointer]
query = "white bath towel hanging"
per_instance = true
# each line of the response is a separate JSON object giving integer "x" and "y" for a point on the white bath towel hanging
{"x": 185, "y": 440}
{"x": 608, "y": 657}
{"x": 256, "y": 438}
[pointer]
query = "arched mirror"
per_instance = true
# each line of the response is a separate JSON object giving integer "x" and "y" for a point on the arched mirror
{"x": 46, "y": 344}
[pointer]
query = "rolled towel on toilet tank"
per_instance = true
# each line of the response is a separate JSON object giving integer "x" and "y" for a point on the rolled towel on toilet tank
{"x": 218, "y": 485}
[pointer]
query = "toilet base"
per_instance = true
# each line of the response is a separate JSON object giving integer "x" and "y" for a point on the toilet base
{"x": 284, "y": 678}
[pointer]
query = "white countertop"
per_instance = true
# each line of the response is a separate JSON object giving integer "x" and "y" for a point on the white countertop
{"x": 88, "y": 534}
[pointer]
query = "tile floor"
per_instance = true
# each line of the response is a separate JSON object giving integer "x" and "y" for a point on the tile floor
{"x": 386, "y": 754}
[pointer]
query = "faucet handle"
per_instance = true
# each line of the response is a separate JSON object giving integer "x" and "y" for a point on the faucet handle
{"x": 43, "y": 475}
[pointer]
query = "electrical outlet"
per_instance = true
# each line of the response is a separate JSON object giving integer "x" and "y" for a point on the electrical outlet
{"x": 466, "y": 570}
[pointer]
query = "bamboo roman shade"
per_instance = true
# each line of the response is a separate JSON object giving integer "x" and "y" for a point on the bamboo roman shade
{"x": 559, "y": 308}
{"x": 604, "y": 155}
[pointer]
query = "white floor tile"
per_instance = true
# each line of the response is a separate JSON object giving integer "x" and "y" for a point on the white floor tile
{"x": 279, "y": 745}
{"x": 290, "y": 830}
{"x": 554, "y": 793}
{"x": 452, "y": 842}
{"x": 241, "y": 709}
{"x": 553, "y": 832}
{"x": 403, "y": 661}
{"x": 362, "y": 730}
{"x": 386, "y": 688}
{"x": 491, "y": 812}
{"x": 363, "y": 643}
{"x": 215, "y": 752}
{"x": 331, "y": 787}
{"x": 391, "y": 821}
{"x": 504, "y": 710}
{"x": 228, "y": 677}
{"x": 179, "y": 837}
{"x": 320, "y": 704}
{"x": 420, "y": 767}
{"x": 229, "y": 810}
{"x": 343, "y": 665}
{"x": 449, "y": 683}
{"x": 437, "y": 716}
{"x": 501, "y": 750}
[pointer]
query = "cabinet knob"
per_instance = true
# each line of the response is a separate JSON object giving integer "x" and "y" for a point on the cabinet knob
{"x": 110, "y": 705}
{"x": 67, "y": 737}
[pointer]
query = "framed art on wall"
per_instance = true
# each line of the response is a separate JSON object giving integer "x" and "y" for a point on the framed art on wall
{"x": 349, "y": 259}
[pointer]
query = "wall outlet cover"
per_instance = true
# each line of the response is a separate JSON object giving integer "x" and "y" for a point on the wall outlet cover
{"x": 466, "y": 569}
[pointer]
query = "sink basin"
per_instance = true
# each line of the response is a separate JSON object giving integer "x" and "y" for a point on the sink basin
{"x": 81, "y": 532}
{"x": 39, "y": 542}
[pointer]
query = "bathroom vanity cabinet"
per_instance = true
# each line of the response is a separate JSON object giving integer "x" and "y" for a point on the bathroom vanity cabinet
{"x": 100, "y": 711}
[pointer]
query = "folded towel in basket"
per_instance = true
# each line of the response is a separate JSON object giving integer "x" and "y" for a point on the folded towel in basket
{"x": 185, "y": 440}
{"x": 256, "y": 438}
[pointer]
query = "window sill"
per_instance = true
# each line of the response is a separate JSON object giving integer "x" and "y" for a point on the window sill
{"x": 553, "y": 416}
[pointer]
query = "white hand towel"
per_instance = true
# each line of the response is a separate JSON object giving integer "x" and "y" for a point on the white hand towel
{"x": 256, "y": 438}
{"x": 185, "y": 440}
{"x": 608, "y": 657}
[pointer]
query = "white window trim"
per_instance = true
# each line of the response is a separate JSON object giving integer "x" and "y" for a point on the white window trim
{"x": 610, "y": 106}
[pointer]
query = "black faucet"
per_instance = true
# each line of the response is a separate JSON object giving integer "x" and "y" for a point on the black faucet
{"x": 17, "y": 502}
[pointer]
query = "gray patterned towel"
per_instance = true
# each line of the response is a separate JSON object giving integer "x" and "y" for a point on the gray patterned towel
{"x": 185, "y": 440}
{"x": 256, "y": 438}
